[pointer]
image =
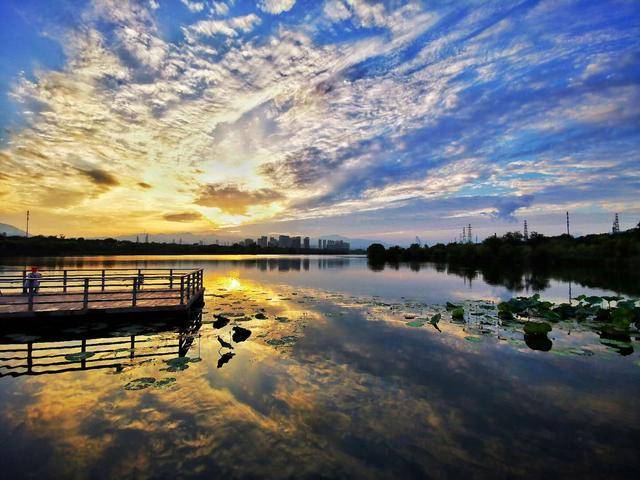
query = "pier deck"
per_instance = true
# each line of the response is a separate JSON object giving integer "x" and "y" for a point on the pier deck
{"x": 98, "y": 291}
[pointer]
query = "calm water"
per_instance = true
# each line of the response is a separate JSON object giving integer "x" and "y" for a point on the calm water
{"x": 335, "y": 382}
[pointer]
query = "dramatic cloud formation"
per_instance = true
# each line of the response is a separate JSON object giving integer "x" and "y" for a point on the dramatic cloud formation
{"x": 182, "y": 217}
{"x": 379, "y": 118}
{"x": 231, "y": 199}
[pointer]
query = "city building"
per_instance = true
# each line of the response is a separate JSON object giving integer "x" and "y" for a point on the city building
{"x": 296, "y": 242}
{"x": 284, "y": 241}
{"x": 263, "y": 242}
{"x": 273, "y": 242}
{"x": 306, "y": 243}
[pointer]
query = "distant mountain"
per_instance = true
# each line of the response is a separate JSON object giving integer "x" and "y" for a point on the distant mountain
{"x": 10, "y": 230}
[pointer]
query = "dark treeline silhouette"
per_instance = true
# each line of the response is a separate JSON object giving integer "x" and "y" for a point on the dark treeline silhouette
{"x": 621, "y": 249}
{"x": 15, "y": 246}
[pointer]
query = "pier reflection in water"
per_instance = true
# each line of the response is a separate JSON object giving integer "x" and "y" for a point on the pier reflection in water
{"x": 325, "y": 381}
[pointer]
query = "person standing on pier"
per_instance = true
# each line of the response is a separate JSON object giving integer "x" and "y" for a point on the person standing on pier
{"x": 33, "y": 280}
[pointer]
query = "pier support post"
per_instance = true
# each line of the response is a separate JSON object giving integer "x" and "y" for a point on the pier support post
{"x": 30, "y": 293}
{"x": 64, "y": 281}
{"x": 85, "y": 299}
{"x": 103, "y": 275}
{"x": 24, "y": 281}
{"x": 134, "y": 292}
{"x": 181, "y": 290}
{"x": 171, "y": 279}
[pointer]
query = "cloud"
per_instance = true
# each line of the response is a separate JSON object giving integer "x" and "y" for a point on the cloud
{"x": 193, "y": 7}
{"x": 100, "y": 177}
{"x": 276, "y": 6}
{"x": 183, "y": 217}
{"x": 347, "y": 107}
{"x": 234, "y": 200}
{"x": 228, "y": 28}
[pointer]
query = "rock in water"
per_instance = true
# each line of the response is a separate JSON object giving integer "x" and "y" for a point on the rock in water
{"x": 240, "y": 334}
{"x": 220, "y": 321}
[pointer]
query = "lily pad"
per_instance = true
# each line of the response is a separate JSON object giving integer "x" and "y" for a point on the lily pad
{"x": 415, "y": 323}
{"x": 537, "y": 328}
{"x": 458, "y": 313}
{"x": 140, "y": 383}
{"x": 78, "y": 357}
{"x": 164, "y": 382}
{"x": 179, "y": 364}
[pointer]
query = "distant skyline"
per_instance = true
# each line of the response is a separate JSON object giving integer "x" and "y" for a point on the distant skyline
{"x": 367, "y": 119}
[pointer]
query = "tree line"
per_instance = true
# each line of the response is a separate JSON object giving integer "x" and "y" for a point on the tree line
{"x": 510, "y": 249}
{"x": 37, "y": 246}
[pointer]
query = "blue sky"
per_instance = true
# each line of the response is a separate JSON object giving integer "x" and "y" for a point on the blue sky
{"x": 371, "y": 119}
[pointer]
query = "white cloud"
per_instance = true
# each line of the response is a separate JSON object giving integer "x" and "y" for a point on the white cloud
{"x": 229, "y": 27}
{"x": 193, "y": 6}
{"x": 276, "y": 6}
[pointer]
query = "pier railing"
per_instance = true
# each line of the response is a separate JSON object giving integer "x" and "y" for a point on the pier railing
{"x": 73, "y": 289}
{"x": 52, "y": 356}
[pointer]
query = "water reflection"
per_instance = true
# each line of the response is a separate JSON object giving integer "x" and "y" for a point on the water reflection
{"x": 328, "y": 383}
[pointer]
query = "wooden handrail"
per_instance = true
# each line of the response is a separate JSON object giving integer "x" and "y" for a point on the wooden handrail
{"x": 104, "y": 287}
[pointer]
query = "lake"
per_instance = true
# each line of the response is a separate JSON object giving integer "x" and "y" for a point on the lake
{"x": 339, "y": 369}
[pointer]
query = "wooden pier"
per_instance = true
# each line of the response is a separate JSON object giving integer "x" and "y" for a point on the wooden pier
{"x": 96, "y": 292}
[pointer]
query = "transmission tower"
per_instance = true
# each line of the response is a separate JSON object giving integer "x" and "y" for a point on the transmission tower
{"x": 418, "y": 241}
{"x": 27, "y": 232}
{"x": 568, "y": 231}
{"x": 526, "y": 231}
{"x": 469, "y": 234}
{"x": 616, "y": 225}
{"x": 464, "y": 235}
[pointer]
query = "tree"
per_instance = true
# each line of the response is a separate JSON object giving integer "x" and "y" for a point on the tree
{"x": 376, "y": 250}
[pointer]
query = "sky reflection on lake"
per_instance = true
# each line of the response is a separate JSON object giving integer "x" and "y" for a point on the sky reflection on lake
{"x": 332, "y": 383}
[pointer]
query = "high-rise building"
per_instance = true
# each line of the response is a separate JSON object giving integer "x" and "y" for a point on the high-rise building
{"x": 320, "y": 243}
{"x": 324, "y": 244}
{"x": 273, "y": 242}
{"x": 337, "y": 246}
{"x": 284, "y": 241}
{"x": 296, "y": 242}
{"x": 263, "y": 241}
{"x": 306, "y": 243}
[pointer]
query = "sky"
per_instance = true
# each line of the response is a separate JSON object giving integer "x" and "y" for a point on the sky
{"x": 370, "y": 119}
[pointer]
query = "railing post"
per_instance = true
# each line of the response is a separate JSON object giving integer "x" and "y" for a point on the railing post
{"x": 188, "y": 287}
{"x": 30, "y": 293}
{"x": 64, "y": 281}
{"x": 103, "y": 275}
{"x": 85, "y": 300}
{"x": 134, "y": 293}
{"x": 181, "y": 290}
{"x": 24, "y": 281}
{"x": 171, "y": 279}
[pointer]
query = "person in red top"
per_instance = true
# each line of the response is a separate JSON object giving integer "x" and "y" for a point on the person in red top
{"x": 33, "y": 280}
